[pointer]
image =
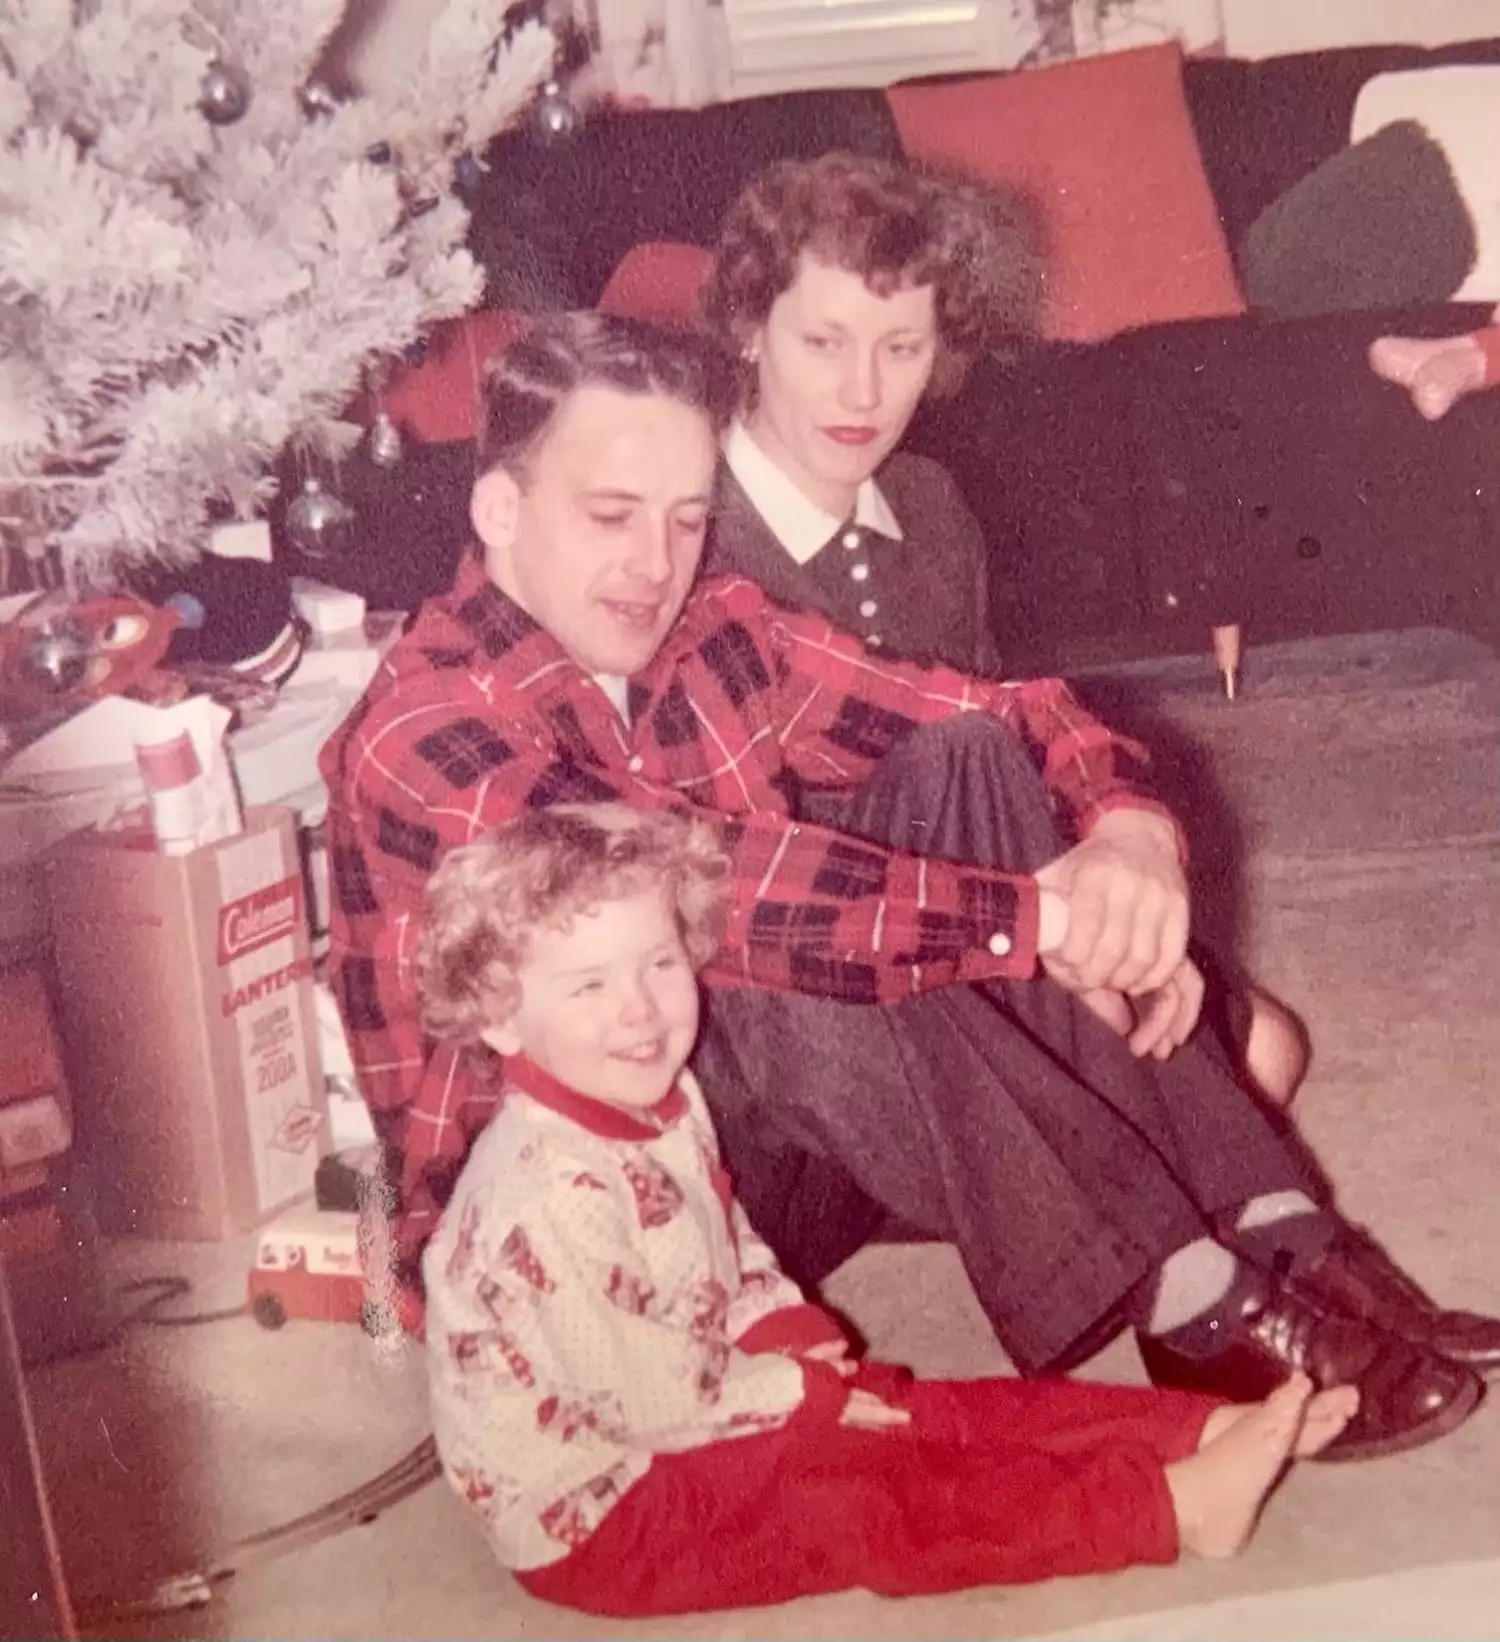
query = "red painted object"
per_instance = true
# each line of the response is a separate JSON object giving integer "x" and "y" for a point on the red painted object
{"x": 307, "y": 1266}
{"x": 438, "y": 399}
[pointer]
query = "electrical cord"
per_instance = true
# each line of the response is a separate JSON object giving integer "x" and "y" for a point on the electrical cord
{"x": 160, "y": 1290}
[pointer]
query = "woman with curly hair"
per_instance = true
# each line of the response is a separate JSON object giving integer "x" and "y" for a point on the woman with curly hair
{"x": 847, "y": 288}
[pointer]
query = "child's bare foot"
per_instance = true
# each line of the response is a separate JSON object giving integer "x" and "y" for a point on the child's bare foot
{"x": 1437, "y": 371}
{"x": 1325, "y": 1414}
{"x": 1218, "y": 1492}
{"x": 1399, "y": 358}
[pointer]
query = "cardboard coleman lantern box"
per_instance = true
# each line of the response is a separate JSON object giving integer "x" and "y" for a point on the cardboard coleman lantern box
{"x": 186, "y": 1000}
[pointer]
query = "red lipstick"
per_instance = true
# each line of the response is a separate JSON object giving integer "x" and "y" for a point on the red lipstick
{"x": 850, "y": 436}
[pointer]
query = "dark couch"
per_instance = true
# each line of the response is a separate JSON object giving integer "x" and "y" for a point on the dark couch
{"x": 1135, "y": 489}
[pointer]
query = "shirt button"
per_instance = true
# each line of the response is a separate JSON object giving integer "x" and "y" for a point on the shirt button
{"x": 867, "y": 608}
{"x": 1000, "y": 944}
{"x": 874, "y": 641}
{"x": 636, "y": 764}
{"x": 860, "y": 572}
{"x": 850, "y": 539}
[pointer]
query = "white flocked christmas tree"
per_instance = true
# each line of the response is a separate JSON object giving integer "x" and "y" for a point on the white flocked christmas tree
{"x": 204, "y": 252}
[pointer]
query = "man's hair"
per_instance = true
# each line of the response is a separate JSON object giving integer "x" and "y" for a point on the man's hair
{"x": 561, "y": 354}
{"x": 893, "y": 225}
{"x": 545, "y": 868}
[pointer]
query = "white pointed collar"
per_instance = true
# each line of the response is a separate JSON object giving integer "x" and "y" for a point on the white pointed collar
{"x": 801, "y": 526}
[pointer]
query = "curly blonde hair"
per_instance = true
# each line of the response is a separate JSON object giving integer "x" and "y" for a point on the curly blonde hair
{"x": 544, "y": 869}
{"x": 894, "y": 225}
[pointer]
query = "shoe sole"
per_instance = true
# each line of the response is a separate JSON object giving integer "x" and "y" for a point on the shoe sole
{"x": 1447, "y": 1419}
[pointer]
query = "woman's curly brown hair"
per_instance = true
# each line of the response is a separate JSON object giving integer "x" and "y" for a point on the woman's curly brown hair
{"x": 893, "y": 225}
{"x": 546, "y": 867}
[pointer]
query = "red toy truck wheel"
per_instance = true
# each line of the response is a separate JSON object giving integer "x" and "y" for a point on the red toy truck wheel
{"x": 268, "y": 1311}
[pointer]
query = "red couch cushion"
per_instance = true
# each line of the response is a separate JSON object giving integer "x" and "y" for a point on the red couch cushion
{"x": 1105, "y": 146}
{"x": 659, "y": 281}
{"x": 439, "y": 399}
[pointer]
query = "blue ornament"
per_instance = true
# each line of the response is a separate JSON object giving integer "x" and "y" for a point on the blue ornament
{"x": 416, "y": 351}
{"x": 467, "y": 173}
{"x": 190, "y": 611}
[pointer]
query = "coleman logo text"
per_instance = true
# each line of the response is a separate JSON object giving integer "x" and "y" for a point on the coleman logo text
{"x": 256, "y": 919}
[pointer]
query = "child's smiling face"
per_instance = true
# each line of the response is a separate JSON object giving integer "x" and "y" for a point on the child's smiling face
{"x": 609, "y": 1003}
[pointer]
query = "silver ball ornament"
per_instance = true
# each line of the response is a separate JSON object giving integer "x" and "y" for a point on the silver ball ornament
{"x": 56, "y": 655}
{"x": 223, "y": 93}
{"x": 556, "y": 116}
{"x": 318, "y": 99}
{"x": 384, "y": 443}
{"x": 318, "y": 522}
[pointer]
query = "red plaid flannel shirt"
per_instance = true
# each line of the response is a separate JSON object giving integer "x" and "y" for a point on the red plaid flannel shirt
{"x": 477, "y": 713}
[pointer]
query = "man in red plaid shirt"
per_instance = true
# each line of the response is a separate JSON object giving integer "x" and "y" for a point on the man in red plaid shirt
{"x": 909, "y": 1021}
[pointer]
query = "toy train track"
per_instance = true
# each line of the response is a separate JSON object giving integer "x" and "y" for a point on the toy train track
{"x": 196, "y": 1589}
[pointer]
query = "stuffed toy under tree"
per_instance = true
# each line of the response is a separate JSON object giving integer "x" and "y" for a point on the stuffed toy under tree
{"x": 206, "y": 249}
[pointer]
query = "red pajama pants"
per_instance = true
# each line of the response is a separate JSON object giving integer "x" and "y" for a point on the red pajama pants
{"x": 994, "y": 1482}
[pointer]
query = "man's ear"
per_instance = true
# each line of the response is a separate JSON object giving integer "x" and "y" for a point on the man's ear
{"x": 494, "y": 508}
{"x": 504, "y": 1040}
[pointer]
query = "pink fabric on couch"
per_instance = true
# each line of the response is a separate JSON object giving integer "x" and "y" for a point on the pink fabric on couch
{"x": 1106, "y": 149}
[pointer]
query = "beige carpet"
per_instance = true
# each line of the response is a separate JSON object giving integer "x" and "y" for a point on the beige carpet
{"x": 1358, "y": 780}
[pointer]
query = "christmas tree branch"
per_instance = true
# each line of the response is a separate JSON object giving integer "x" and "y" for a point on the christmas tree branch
{"x": 203, "y": 252}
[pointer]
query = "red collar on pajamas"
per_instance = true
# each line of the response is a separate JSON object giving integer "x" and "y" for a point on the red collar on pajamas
{"x": 597, "y": 1116}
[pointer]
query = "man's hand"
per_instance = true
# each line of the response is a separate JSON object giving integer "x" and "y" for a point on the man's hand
{"x": 1156, "y": 1023}
{"x": 1167, "y": 1019}
{"x": 865, "y": 1410}
{"x": 1114, "y": 912}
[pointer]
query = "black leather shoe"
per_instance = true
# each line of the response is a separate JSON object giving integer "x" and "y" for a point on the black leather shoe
{"x": 1358, "y": 1277}
{"x": 1407, "y": 1396}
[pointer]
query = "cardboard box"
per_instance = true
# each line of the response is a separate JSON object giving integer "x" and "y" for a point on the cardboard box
{"x": 185, "y": 998}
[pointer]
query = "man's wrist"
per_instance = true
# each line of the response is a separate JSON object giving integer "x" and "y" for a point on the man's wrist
{"x": 1052, "y": 921}
{"x": 1139, "y": 823}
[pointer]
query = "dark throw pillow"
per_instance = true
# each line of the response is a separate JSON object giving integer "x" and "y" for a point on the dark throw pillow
{"x": 1380, "y": 225}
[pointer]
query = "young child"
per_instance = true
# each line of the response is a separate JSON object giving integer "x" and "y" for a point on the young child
{"x": 645, "y": 1412}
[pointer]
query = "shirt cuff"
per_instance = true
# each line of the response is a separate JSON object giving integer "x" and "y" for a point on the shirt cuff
{"x": 824, "y": 1393}
{"x": 792, "y": 1329}
{"x": 1006, "y": 951}
{"x": 1489, "y": 349}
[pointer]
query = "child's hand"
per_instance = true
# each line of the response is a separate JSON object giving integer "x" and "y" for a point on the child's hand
{"x": 865, "y": 1410}
{"x": 836, "y": 1354}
